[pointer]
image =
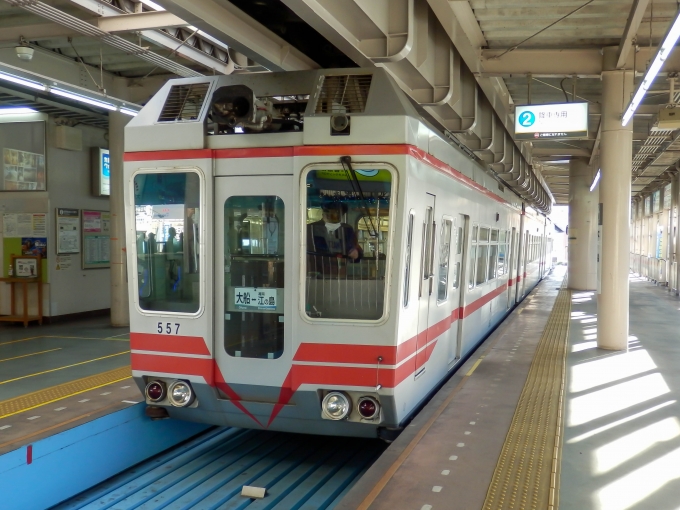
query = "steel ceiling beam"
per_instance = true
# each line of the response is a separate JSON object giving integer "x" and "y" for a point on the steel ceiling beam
{"x": 559, "y": 63}
{"x": 85, "y": 28}
{"x": 161, "y": 38}
{"x": 227, "y": 23}
{"x": 151, "y": 20}
{"x": 637, "y": 11}
{"x": 37, "y": 32}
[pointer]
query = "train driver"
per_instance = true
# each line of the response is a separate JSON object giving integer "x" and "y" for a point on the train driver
{"x": 330, "y": 236}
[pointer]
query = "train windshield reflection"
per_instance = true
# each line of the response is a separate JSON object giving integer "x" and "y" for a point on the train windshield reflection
{"x": 347, "y": 242}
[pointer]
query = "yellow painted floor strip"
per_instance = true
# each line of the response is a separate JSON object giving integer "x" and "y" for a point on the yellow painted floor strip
{"x": 62, "y": 368}
{"x": 32, "y": 354}
{"x": 475, "y": 366}
{"x": 527, "y": 473}
{"x": 48, "y": 395}
{"x": 21, "y": 340}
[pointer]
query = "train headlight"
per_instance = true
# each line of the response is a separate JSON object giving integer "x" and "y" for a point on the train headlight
{"x": 155, "y": 391}
{"x": 336, "y": 405}
{"x": 368, "y": 407}
{"x": 181, "y": 394}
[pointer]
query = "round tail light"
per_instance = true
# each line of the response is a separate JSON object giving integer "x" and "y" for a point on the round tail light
{"x": 336, "y": 405}
{"x": 155, "y": 391}
{"x": 368, "y": 407}
{"x": 180, "y": 394}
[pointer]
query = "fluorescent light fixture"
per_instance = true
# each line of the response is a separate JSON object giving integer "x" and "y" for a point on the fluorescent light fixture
{"x": 595, "y": 180}
{"x": 661, "y": 56}
{"x": 83, "y": 99}
{"x": 152, "y": 5}
{"x": 127, "y": 111}
{"x": 21, "y": 81}
{"x": 17, "y": 111}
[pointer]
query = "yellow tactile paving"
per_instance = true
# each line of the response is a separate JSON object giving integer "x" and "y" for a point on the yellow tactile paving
{"x": 61, "y": 391}
{"x": 527, "y": 473}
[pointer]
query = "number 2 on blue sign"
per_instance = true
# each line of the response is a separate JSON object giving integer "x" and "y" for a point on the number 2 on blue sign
{"x": 527, "y": 119}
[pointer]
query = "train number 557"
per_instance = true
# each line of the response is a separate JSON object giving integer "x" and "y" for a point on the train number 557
{"x": 168, "y": 328}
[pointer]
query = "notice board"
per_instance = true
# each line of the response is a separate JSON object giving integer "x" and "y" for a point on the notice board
{"x": 96, "y": 229}
{"x": 25, "y": 234}
{"x": 68, "y": 235}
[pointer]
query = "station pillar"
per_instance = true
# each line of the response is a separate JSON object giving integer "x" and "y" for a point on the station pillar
{"x": 675, "y": 234}
{"x": 616, "y": 154}
{"x": 120, "y": 314}
{"x": 583, "y": 204}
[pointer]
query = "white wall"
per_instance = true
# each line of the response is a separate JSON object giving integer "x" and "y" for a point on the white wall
{"x": 74, "y": 290}
{"x": 71, "y": 290}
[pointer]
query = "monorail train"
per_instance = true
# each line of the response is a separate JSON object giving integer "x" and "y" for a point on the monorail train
{"x": 308, "y": 254}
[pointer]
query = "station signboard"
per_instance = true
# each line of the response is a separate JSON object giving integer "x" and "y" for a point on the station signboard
{"x": 101, "y": 172}
{"x": 551, "y": 121}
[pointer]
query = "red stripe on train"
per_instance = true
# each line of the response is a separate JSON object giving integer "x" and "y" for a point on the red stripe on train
{"x": 202, "y": 367}
{"x": 168, "y": 343}
{"x": 314, "y": 150}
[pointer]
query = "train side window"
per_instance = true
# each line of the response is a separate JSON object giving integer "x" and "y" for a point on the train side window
{"x": 502, "y": 253}
{"x": 409, "y": 247}
{"x": 167, "y": 225}
{"x": 482, "y": 254}
{"x": 444, "y": 256}
{"x": 347, "y": 241}
{"x": 459, "y": 241}
{"x": 473, "y": 257}
{"x": 493, "y": 261}
{"x": 254, "y": 241}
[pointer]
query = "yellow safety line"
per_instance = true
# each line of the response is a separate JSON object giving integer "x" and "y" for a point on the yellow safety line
{"x": 62, "y": 368}
{"x": 22, "y": 340}
{"x": 527, "y": 473}
{"x": 387, "y": 476}
{"x": 67, "y": 337}
{"x": 32, "y": 354}
{"x": 475, "y": 365}
{"x": 61, "y": 391}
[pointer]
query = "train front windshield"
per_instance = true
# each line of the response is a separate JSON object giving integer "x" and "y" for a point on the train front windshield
{"x": 348, "y": 214}
{"x": 167, "y": 226}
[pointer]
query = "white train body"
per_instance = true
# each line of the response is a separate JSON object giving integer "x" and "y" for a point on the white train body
{"x": 249, "y": 208}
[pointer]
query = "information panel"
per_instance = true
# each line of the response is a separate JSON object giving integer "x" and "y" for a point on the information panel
{"x": 68, "y": 230}
{"x": 552, "y": 121}
{"x": 96, "y": 228}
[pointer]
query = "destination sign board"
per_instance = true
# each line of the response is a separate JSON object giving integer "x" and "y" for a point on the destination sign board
{"x": 551, "y": 121}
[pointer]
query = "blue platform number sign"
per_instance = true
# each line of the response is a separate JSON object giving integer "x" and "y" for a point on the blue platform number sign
{"x": 105, "y": 174}
{"x": 527, "y": 119}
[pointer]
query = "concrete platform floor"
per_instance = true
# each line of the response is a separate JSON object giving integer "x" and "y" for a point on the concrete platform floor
{"x": 622, "y": 423}
{"x": 50, "y": 377}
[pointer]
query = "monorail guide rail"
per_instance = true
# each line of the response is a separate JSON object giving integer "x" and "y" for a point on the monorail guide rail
{"x": 207, "y": 472}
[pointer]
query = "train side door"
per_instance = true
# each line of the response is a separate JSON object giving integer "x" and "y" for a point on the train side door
{"x": 512, "y": 266}
{"x": 253, "y": 266}
{"x": 426, "y": 296}
{"x": 523, "y": 264}
{"x": 457, "y": 285}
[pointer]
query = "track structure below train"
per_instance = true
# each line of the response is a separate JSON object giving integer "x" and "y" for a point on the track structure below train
{"x": 299, "y": 472}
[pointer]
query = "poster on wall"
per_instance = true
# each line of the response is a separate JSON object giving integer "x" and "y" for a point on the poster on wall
{"x": 22, "y": 156}
{"x": 25, "y": 225}
{"x": 68, "y": 231}
{"x": 23, "y": 171}
{"x": 34, "y": 246}
{"x": 96, "y": 228}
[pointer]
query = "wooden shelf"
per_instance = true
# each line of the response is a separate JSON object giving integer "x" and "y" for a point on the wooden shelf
{"x": 24, "y": 281}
